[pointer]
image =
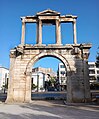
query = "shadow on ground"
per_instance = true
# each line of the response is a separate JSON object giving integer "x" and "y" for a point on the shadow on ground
{"x": 48, "y": 109}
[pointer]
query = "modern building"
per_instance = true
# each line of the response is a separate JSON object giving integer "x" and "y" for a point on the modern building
{"x": 45, "y": 71}
{"x": 38, "y": 79}
{"x": 39, "y": 76}
{"x": 62, "y": 76}
{"x": 4, "y": 76}
{"x": 93, "y": 72}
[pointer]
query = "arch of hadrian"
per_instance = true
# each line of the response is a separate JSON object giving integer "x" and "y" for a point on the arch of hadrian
{"x": 74, "y": 56}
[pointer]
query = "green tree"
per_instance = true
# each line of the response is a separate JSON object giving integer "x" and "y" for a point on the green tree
{"x": 53, "y": 80}
{"x": 33, "y": 86}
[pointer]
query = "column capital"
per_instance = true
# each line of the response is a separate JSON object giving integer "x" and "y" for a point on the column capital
{"x": 23, "y": 19}
{"x": 74, "y": 20}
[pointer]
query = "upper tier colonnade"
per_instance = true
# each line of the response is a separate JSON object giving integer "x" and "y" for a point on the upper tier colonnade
{"x": 48, "y": 17}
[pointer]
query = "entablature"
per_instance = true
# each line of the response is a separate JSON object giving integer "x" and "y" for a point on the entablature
{"x": 34, "y": 19}
{"x": 48, "y": 17}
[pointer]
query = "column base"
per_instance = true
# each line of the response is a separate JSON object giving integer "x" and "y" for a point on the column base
{"x": 10, "y": 100}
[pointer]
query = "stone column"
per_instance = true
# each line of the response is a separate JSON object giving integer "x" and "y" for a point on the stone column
{"x": 74, "y": 32}
{"x": 39, "y": 32}
{"x": 23, "y": 33}
{"x": 58, "y": 32}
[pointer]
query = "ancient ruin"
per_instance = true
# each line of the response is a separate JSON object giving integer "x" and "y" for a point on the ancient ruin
{"x": 73, "y": 56}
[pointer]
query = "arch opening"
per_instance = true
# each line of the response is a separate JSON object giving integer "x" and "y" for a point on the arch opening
{"x": 48, "y": 34}
{"x": 30, "y": 36}
{"x": 49, "y": 78}
{"x": 67, "y": 33}
{"x": 65, "y": 75}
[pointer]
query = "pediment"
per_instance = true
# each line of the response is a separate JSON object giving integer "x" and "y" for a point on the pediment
{"x": 48, "y": 12}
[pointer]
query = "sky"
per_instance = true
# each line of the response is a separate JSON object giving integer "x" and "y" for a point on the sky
{"x": 10, "y": 25}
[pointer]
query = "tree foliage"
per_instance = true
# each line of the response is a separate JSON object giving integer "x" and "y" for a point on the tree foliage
{"x": 33, "y": 86}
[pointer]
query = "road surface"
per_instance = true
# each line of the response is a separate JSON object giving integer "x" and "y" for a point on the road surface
{"x": 49, "y": 109}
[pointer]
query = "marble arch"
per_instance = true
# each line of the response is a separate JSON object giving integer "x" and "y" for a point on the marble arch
{"x": 74, "y": 56}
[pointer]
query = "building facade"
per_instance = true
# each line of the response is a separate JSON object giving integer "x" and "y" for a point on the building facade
{"x": 38, "y": 80}
{"x": 93, "y": 72}
{"x": 4, "y": 76}
{"x": 44, "y": 70}
{"x": 62, "y": 76}
{"x": 40, "y": 76}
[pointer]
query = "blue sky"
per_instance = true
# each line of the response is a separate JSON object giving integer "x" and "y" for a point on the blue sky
{"x": 10, "y": 25}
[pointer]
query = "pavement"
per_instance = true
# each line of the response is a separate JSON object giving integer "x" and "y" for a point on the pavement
{"x": 48, "y": 109}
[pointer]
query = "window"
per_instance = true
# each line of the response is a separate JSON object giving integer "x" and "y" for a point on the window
{"x": 92, "y": 78}
{"x": 91, "y": 72}
{"x": 97, "y": 72}
{"x": 91, "y": 66}
{"x": 62, "y": 66}
{"x": 63, "y": 78}
{"x": 62, "y": 72}
{"x": 98, "y": 78}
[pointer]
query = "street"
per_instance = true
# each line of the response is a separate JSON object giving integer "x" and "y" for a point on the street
{"x": 50, "y": 95}
{"x": 49, "y": 109}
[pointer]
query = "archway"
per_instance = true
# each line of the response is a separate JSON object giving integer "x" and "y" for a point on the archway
{"x": 47, "y": 54}
{"x": 49, "y": 79}
{"x": 33, "y": 60}
{"x": 73, "y": 56}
